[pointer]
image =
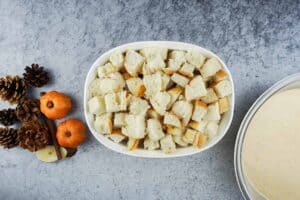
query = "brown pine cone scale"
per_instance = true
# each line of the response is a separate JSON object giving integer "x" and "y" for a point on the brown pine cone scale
{"x": 8, "y": 137}
{"x": 8, "y": 117}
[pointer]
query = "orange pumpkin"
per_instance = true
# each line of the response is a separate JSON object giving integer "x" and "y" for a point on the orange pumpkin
{"x": 55, "y": 105}
{"x": 70, "y": 133}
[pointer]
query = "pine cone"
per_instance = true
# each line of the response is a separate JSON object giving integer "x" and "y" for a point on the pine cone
{"x": 8, "y": 137}
{"x": 28, "y": 110}
{"x": 33, "y": 136}
{"x": 12, "y": 89}
{"x": 35, "y": 76}
{"x": 8, "y": 117}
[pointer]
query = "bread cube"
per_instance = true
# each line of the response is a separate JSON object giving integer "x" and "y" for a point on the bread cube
{"x": 179, "y": 56}
{"x": 136, "y": 86}
{"x": 153, "y": 114}
{"x": 106, "y": 69}
{"x": 150, "y": 144}
{"x": 195, "y": 89}
{"x": 200, "y": 140}
{"x": 171, "y": 119}
{"x": 138, "y": 106}
{"x": 200, "y": 110}
{"x": 135, "y": 126}
{"x": 117, "y": 59}
{"x": 213, "y": 112}
{"x": 153, "y": 65}
{"x": 210, "y": 97}
{"x": 116, "y": 137}
{"x": 111, "y": 102}
{"x": 95, "y": 87}
{"x": 160, "y": 102}
{"x": 210, "y": 67}
{"x": 174, "y": 130}
{"x": 103, "y": 123}
{"x": 119, "y": 120}
{"x": 198, "y": 126}
{"x": 211, "y": 129}
{"x": 224, "y": 105}
{"x": 133, "y": 62}
{"x": 178, "y": 140}
{"x": 132, "y": 144}
{"x": 154, "y": 52}
{"x": 189, "y": 136}
{"x": 180, "y": 80}
{"x": 187, "y": 70}
{"x": 220, "y": 75}
{"x": 96, "y": 105}
{"x": 172, "y": 66}
{"x": 154, "y": 129}
{"x": 223, "y": 88}
{"x": 113, "y": 82}
{"x": 183, "y": 110}
{"x": 167, "y": 144}
{"x": 195, "y": 58}
{"x": 165, "y": 80}
{"x": 123, "y": 100}
{"x": 174, "y": 94}
{"x": 115, "y": 102}
{"x": 152, "y": 83}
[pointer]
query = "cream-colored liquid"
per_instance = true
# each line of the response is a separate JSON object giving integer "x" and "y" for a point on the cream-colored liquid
{"x": 271, "y": 151}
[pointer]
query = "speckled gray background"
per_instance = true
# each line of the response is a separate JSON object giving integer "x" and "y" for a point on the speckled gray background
{"x": 259, "y": 41}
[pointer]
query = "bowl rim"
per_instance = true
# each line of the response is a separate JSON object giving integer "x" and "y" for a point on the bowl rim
{"x": 238, "y": 169}
{"x": 133, "y": 45}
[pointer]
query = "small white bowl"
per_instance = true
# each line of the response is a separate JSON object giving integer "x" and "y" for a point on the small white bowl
{"x": 224, "y": 124}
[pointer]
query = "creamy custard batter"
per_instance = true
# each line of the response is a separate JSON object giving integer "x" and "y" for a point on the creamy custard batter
{"x": 271, "y": 151}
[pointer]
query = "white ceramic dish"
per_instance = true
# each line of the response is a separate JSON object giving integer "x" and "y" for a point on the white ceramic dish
{"x": 247, "y": 190}
{"x": 224, "y": 124}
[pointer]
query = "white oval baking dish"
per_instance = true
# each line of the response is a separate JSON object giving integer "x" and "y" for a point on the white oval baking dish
{"x": 224, "y": 124}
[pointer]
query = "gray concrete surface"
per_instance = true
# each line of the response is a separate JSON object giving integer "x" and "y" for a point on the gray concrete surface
{"x": 259, "y": 41}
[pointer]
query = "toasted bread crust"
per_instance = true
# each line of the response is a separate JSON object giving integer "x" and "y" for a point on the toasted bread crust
{"x": 220, "y": 75}
{"x": 200, "y": 140}
{"x": 176, "y": 89}
{"x": 169, "y": 71}
{"x": 110, "y": 125}
{"x": 135, "y": 145}
{"x": 118, "y": 132}
{"x": 184, "y": 73}
{"x": 140, "y": 91}
{"x": 223, "y": 105}
{"x": 200, "y": 104}
{"x": 126, "y": 75}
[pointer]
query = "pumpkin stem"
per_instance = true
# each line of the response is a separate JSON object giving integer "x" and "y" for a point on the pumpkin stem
{"x": 68, "y": 134}
{"x": 50, "y": 104}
